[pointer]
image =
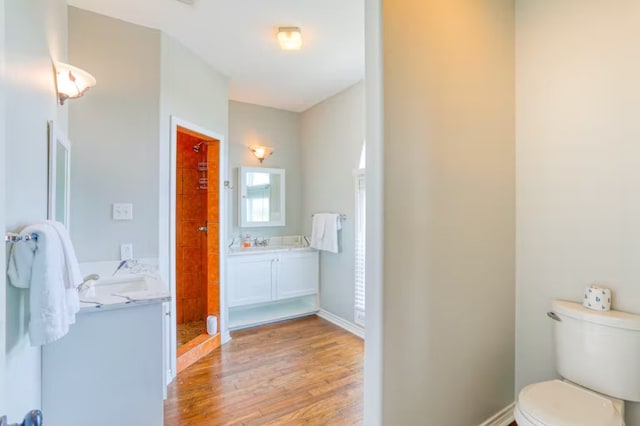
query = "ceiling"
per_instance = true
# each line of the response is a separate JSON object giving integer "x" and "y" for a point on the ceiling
{"x": 237, "y": 37}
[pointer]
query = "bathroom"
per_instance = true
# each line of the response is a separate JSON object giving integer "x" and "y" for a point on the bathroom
{"x": 551, "y": 186}
{"x": 116, "y": 163}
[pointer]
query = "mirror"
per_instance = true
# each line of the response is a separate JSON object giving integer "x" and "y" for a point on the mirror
{"x": 59, "y": 173}
{"x": 262, "y": 197}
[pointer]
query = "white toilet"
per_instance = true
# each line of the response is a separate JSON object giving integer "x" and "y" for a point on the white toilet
{"x": 598, "y": 355}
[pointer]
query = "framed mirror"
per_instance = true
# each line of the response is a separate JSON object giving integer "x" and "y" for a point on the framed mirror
{"x": 262, "y": 197}
{"x": 59, "y": 175}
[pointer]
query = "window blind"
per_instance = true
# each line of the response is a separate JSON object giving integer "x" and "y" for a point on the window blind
{"x": 360, "y": 250}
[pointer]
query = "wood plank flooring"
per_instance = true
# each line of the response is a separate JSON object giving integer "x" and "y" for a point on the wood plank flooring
{"x": 305, "y": 371}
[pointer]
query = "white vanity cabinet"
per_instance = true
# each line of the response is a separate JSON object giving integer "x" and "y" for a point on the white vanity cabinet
{"x": 108, "y": 370}
{"x": 297, "y": 274}
{"x": 251, "y": 279}
{"x": 269, "y": 286}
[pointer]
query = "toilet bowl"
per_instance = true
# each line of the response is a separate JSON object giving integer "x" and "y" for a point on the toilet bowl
{"x": 598, "y": 355}
{"x": 558, "y": 403}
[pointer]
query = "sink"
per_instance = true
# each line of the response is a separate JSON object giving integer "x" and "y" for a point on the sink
{"x": 286, "y": 242}
{"x": 123, "y": 289}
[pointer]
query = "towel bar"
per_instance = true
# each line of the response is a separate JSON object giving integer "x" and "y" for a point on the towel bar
{"x": 14, "y": 238}
{"x": 343, "y": 216}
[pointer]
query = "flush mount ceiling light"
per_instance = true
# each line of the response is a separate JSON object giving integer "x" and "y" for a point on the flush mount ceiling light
{"x": 261, "y": 152}
{"x": 72, "y": 82}
{"x": 290, "y": 38}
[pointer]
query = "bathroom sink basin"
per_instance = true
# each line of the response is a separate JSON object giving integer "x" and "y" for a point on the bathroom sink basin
{"x": 123, "y": 289}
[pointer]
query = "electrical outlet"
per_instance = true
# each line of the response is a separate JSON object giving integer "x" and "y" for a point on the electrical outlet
{"x": 122, "y": 211}
{"x": 126, "y": 251}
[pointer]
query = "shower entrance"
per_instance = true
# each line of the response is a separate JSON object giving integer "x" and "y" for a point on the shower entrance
{"x": 197, "y": 245}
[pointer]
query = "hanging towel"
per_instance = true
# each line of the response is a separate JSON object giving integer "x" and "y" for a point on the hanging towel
{"x": 73, "y": 276}
{"x": 324, "y": 232}
{"x": 39, "y": 266}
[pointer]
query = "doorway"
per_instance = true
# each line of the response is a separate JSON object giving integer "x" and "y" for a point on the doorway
{"x": 197, "y": 246}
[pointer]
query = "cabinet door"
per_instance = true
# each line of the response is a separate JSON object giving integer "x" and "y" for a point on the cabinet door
{"x": 249, "y": 279}
{"x": 297, "y": 274}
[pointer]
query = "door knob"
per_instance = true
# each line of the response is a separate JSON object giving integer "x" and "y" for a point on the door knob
{"x": 202, "y": 229}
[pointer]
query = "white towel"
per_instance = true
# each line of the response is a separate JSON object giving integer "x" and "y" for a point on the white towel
{"x": 73, "y": 276}
{"x": 40, "y": 266}
{"x": 324, "y": 232}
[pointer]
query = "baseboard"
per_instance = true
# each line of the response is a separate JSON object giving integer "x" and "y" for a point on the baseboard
{"x": 341, "y": 322}
{"x": 503, "y": 418}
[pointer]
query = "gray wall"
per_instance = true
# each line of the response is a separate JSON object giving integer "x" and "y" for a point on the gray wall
{"x": 332, "y": 139}
{"x": 578, "y": 202}
{"x": 201, "y": 99}
{"x": 115, "y": 136}
{"x": 449, "y": 200}
{"x": 253, "y": 124}
{"x": 35, "y": 33}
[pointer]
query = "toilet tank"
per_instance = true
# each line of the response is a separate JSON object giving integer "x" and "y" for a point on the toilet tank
{"x": 598, "y": 350}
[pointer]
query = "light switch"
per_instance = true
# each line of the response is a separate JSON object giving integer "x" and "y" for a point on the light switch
{"x": 122, "y": 211}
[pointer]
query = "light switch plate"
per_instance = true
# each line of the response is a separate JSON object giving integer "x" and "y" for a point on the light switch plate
{"x": 122, "y": 211}
{"x": 126, "y": 251}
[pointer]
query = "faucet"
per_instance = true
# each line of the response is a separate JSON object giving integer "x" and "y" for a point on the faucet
{"x": 120, "y": 266}
{"x": 87, "y": 282}
{"x": 260, "y": 243}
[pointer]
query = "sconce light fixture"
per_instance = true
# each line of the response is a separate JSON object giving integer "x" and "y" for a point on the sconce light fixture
{"x": 290, "y": 38}
{"x": 261, "y": 152}
{"x": 72, "y": 82}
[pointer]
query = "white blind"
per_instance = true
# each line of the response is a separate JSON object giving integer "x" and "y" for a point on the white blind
{"x": 360, "y": 248}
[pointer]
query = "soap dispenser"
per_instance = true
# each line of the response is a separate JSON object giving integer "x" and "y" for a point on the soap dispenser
{"x": 245, "y": 241}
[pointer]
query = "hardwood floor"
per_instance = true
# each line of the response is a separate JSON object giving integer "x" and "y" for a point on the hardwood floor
{"x": 305, "y": 371}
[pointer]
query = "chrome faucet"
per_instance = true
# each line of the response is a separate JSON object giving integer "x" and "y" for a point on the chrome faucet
{"x": 260, "y": 243}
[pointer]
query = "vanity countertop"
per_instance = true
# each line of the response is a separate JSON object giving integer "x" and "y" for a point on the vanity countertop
{"x": 238, "y": 251}
{"x": 123, "y": 291}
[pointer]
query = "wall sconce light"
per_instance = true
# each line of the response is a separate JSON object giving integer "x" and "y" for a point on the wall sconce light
{"x": 261, "y": 152}
{"x": 72, "y": 82}
{"x": 290, "y": 38}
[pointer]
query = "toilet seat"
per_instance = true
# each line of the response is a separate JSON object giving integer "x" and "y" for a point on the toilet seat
{"x": 557, "y": 403}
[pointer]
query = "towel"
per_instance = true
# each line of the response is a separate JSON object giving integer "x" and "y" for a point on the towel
{"x": 324, "y": 232}
{"x": 73, "y": 276}
{"x": 40, "y": 266}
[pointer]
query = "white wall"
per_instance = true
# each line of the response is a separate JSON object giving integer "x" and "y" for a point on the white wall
{"x": 115, "y": 136}
{"x": 254, "y": 124}
{"x": 578, "y": 203}
{"x": 375, "y": 204}
{"x": 35, "y": 34}
{"x": 449, "y": 203}
{"x": 332, "y": 139}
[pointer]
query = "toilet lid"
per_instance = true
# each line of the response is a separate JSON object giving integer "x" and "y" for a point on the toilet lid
{"x": 561, "y": 404}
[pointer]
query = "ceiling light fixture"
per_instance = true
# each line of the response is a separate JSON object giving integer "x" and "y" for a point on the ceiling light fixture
{"x": 261, "y": 152}
{"x": 72, "y": 82}
{"x": 290, "y": 38}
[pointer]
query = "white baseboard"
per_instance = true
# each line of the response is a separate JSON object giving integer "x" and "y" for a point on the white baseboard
{"x": 503, "y": 418}
{"x": 342, "y": 323}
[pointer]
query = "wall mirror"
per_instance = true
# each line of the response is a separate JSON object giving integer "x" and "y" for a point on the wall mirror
{"x": 59, "y": 174}
{"x": 262, "y": 197}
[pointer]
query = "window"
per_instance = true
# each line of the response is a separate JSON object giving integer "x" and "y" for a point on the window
{"x": 360, "y": 247}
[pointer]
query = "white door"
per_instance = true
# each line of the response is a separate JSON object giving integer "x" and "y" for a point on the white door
{"x": 250, "y": 279}
{"x": 297, "y": 274}
{"x": 2, "y": 210}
